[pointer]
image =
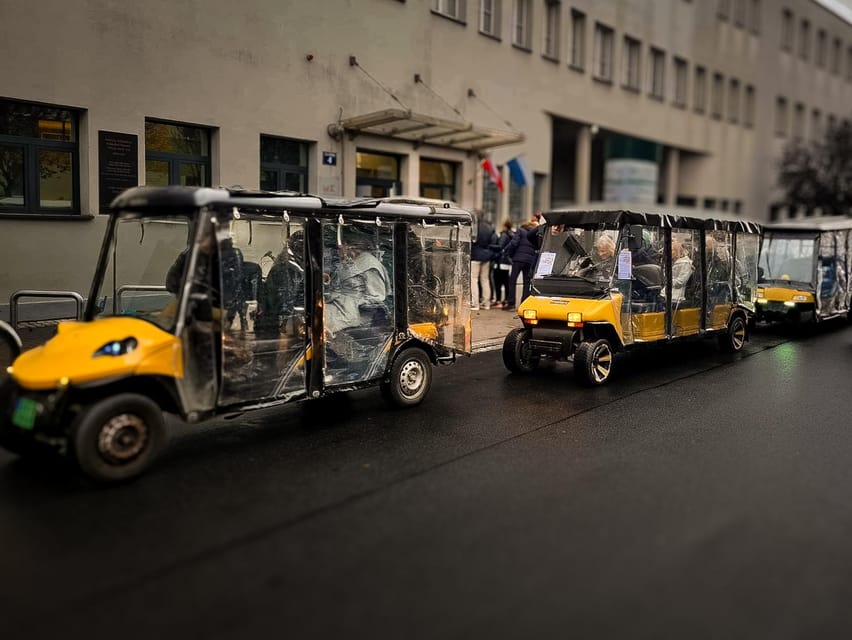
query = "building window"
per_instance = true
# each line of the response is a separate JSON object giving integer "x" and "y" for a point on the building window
{"x": 799, "y": 121}
{"x": 830, "y": 124}
{"x": 787, "y": 30}
{"x": 748, "y": 115}
{"x": 539, "y": 184}
{"x": 754, "y": 16}
{"x": 821, "y": 48}
{"x": 836, "y": 48}
{"x": 739, "y": 13}
{"x": 849, "y": 64}
{"x": 632, "y": 63}
{"x": 723, "y": 9}
{"x": 734, "y": 100}
{"x": 283, "y": 164}
{"x": 522, "y": 27}
{"x": 377, "y": 175}
{"x": 552, "y": 20}
{"x": 39, "y": 159}
{"x": 603, "y": 52}
{"x": 578, "y": 40}
{"x": 489, "y": 17}
{"x": 680, "y": 79}
{"x": 438, "y": 179}
{"x": 718, "y": 95}
{"x": 700, "y": 89}
{"x": 490, "y": 196}
{"x": 455, "y": 9}
{"x": 804, "y": 39}
{"x": 816, "y": 124}
{"x": 658, "y": 74}
{"x": 780, "y": 117}
{"x": 176, "y": 154}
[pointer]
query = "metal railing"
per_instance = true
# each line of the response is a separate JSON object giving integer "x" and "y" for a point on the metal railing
{"x": 37, "y": 293}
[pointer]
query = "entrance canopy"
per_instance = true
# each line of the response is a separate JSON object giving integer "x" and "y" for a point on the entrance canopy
{"x": 404, "y": 124}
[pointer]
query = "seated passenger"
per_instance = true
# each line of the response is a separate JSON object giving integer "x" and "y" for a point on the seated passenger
{"x": 682, "y": 270}
{"x": 360, "y": 279}
{"x": 603, "y": 261}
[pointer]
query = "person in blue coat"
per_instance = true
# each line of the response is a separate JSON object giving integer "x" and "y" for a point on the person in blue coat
{"x": 481, "y": 254}
{"x": 522, "y": 250}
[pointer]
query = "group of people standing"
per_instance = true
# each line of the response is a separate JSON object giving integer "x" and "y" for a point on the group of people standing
{"x": 498, "y": 259}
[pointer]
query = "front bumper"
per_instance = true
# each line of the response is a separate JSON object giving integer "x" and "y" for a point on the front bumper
{"x": 31, "y": 419}
{"x": 774, "y": 310}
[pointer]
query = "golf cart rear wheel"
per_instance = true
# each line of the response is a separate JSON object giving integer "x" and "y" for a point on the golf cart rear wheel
{"x": 593, "y": 362}
{"x": 117, "y": 438}
{"x": 733, "y": 339}
{"x": 410, "y": 378}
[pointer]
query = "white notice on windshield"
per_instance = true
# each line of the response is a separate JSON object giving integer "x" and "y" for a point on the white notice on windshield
{"x": 545, "y": 264}
{"x": 625, "y": 264}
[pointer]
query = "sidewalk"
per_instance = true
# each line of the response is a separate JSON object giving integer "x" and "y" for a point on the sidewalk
{"x": 489, "y": 327}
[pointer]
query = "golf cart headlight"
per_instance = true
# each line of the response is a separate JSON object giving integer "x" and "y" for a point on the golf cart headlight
{"x": 789, "y": 303}
{"x": 575, "y": 316}
{"x": 761, "y": 301}
{"x": 800, "y": 298}
{"x": 116, "y": 348}
{"x": 530, "y": 314}
{"x": 760, "y": 292}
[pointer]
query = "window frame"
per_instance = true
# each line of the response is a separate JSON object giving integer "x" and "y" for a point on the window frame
{"x": 493, "y": 12}
{"x": 441, "y": 8}
{"x": 578, "y": 41}
{"x": 522, "y": 25}
{"x": 788, "y": 29}
{"x": 781, "y": 117}
{"x": 282, "y": 168}
{"x": 733, "y": 100}
{"x": 31, "y": 148}
{"x": 657, "y": 71}
{"x": 631, "y": 52}
{"x": 603, "y": 51}
{"x": 749, "y": 106}
{"x": 717, "y": 96}
{"x": 175, "y": 160}
{"x": 681, "y": 82}
{"x": 552, "y": 29}
{"x": 699, "y": 93}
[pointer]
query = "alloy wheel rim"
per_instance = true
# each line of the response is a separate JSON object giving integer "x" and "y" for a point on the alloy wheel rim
{"x": 601, "y": 363}
{"x": 738, "y": 334}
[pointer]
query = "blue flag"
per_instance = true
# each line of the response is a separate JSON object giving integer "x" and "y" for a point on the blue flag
{"x": 519, "y": 172}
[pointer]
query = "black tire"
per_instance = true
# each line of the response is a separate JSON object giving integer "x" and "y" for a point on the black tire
{"x": 593, "y": 362}
{"x": 117, "y": 438}
{"x": 516, "y": 352}
{"x": 734, "y": 337}
{"x": 10, "y": 348}
{"x": 410, "y": 378}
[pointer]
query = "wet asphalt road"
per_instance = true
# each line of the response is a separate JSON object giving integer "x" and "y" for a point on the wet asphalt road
{"x": 697, "y": 495}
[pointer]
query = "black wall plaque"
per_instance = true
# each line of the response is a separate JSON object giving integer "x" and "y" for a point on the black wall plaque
{"x": 118, "y": 164}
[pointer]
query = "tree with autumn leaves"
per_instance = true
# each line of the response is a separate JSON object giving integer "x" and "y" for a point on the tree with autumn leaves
{"x": 817, "y": 175}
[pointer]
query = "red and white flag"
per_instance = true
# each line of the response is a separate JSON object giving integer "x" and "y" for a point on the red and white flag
{"x": 489, "y": 167}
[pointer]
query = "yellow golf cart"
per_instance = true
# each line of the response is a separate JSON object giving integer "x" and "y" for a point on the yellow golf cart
{"x": 209, "y": 301}
{"x": 608, "y": 281}
{"x": 804, "y": 270}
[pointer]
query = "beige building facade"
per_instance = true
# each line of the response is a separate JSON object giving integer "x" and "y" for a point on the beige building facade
{"x": 683, "y": 103}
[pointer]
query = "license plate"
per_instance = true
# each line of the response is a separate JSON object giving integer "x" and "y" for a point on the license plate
{"x": 25, "y": 414}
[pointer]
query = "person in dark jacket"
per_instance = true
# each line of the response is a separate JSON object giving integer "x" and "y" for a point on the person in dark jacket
{"x": 481, "y": 254}
{"x": 502, "y": 266}
{"x": 522, "y": 251}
